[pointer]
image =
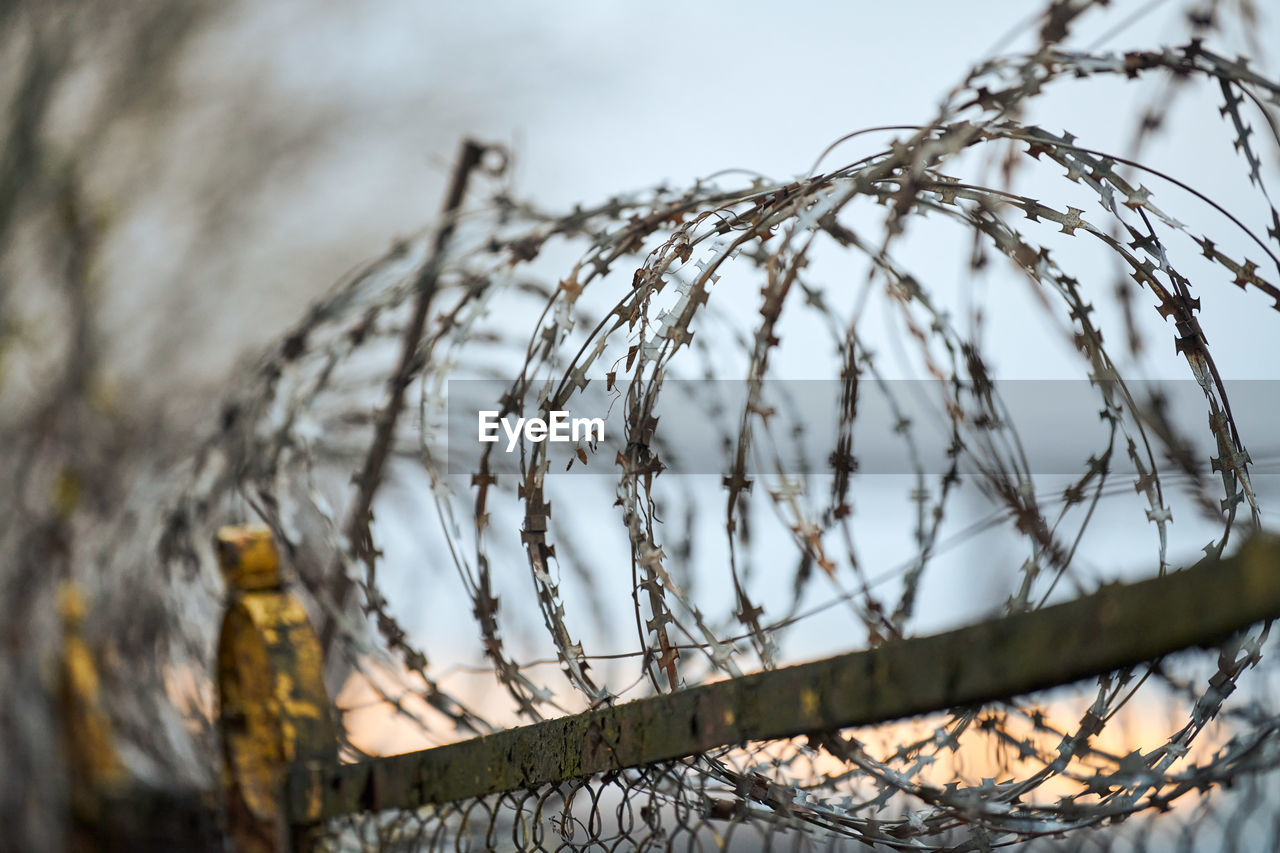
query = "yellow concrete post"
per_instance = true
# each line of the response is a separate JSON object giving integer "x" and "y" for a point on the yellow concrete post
{"x": 95, "y": 771}
{"x": 274, "y": 710}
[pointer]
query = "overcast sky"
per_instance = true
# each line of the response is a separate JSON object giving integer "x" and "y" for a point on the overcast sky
{"x": 348, "y": 116}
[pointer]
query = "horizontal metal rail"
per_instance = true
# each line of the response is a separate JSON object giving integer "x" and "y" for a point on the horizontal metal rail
{"x": 1118, "y": 626}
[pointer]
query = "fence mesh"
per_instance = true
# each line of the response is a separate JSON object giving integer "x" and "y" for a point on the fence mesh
{"x": 732, "y": 800}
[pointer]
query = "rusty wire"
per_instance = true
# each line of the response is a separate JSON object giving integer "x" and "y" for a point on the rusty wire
{"x": 641, "y": 290}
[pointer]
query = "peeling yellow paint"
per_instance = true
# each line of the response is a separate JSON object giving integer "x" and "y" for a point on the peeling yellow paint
{"x": 273, "y": 706}
{"x": 90, "y": 746}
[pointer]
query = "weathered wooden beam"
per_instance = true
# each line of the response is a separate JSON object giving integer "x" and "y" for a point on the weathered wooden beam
{"x": 1118, "y": 626}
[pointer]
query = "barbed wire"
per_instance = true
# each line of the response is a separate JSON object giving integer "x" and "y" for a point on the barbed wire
{"x": 651, "y": 288}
